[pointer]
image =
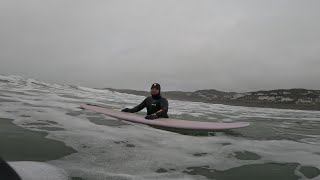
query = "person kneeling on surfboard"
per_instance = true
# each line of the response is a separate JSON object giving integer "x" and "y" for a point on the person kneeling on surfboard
{"x": 157, "y": 106}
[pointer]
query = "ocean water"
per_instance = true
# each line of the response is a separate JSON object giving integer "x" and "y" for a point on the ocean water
{"x": 45, "y": 135}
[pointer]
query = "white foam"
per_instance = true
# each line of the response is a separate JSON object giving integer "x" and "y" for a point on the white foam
{"x": 29, "y": 170}
{"x": 103, "y": 152}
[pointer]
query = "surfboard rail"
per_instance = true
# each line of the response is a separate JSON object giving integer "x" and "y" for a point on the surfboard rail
{"x": 165, "y": 122}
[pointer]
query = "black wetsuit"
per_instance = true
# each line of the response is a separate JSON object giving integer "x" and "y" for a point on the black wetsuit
{"x": 153, "y": 105}
{"x": 7, "y": 172}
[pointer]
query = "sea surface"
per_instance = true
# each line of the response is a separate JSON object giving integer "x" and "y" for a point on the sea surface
{"x": 44, "y": 135}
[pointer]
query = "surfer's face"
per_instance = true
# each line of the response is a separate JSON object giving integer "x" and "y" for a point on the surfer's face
{"x": 154, "y": 91}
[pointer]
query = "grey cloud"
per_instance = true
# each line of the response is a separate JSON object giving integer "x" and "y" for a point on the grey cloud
{"x": 185, "y": 45}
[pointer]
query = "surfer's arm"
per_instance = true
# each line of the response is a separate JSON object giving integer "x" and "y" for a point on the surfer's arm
{"x": 164, "y": 109}
{"x": 139, "y": 107}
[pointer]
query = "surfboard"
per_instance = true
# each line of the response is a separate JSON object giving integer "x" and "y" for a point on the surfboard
{"x": 165, "y": 122}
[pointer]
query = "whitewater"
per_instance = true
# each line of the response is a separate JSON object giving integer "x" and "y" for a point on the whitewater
{"x": 279, "y": 144}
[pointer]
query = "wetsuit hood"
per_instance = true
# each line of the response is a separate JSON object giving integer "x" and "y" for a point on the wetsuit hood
{"x": 157, "y": 86}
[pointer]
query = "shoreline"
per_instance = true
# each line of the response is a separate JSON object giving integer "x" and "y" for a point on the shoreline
{"x": 230, "y": 102}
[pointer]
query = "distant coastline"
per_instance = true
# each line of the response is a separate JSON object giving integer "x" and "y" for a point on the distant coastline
{"x": 298, "y": 99}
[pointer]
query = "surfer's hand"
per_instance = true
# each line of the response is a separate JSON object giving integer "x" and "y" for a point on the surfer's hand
{"x": 151, "y": 117}
{"x": 126, "y": 110}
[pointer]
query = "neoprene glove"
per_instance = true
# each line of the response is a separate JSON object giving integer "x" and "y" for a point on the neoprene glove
{"x": 126, "y": 110}
{"x": 151, "y": 117}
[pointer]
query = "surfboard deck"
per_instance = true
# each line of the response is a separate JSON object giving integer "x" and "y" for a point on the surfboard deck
{"x": 165, "y": 122}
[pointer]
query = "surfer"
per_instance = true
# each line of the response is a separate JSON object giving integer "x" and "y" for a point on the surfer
{"x": 157, "y": 106}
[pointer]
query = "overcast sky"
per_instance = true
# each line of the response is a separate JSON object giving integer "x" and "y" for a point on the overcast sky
{"x": 228, "y": 45}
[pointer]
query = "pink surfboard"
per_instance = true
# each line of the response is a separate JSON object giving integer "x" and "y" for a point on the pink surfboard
{"x": 165, "y": 122}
